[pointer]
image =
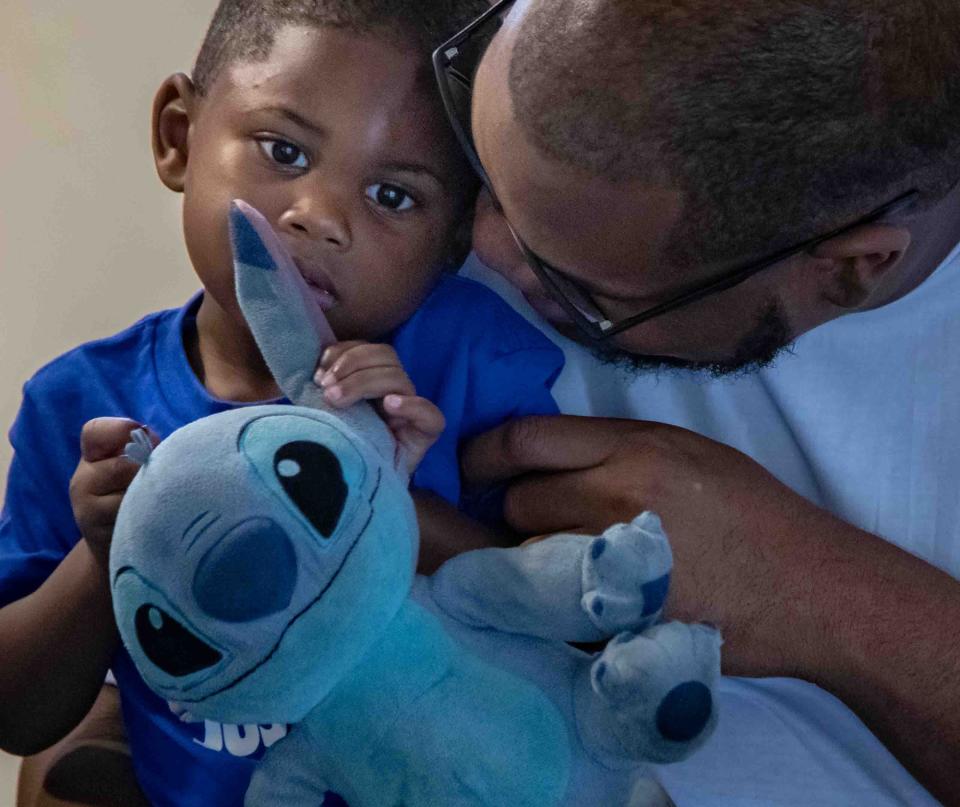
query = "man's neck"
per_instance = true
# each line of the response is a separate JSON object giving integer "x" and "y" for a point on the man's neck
{"x": 935, "y": 234}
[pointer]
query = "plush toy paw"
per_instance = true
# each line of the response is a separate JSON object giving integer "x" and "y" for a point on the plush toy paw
{"x": 659, "y": 687}
{"x": 626, "y": 574}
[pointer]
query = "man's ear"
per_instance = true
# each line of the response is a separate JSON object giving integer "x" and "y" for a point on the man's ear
{"x": 855, "y": 264}
{"x": 174, "y": 108}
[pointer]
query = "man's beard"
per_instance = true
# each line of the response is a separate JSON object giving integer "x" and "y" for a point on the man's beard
{"x": 769, "y": 337}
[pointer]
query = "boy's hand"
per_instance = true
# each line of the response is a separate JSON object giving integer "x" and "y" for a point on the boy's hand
{"x": 102, "y": 477}
{"x": 351, "y": 371}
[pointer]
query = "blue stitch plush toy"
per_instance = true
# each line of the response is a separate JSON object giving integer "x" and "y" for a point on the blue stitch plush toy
{"x": 263, "y": 572}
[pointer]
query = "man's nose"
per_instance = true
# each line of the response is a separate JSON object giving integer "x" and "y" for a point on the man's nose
{"x": 320, "y": 217}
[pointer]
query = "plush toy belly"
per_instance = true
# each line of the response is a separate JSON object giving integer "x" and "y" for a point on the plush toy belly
{"x": 560, "y": 673}
{"x": 424, "y": 722}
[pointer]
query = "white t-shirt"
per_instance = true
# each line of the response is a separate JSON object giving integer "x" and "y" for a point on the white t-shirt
{"x": 863, "y": 418}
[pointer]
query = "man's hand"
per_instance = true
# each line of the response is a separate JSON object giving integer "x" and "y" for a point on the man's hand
{"x": 352, "y": 371}
{"x": 795, "y": 590}
{"x": 730, "y": 523}
{"x": 101, "y": 479}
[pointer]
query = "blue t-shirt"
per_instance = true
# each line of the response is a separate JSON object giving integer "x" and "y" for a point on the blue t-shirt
{"x": 464, "y": 348}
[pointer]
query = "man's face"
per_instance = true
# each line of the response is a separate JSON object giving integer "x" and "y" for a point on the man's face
{"x": 611, "y": 239}
{"x": 338, "y": 140}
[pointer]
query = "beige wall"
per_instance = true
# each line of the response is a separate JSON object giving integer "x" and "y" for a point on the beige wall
{"x": 89, "y": 238}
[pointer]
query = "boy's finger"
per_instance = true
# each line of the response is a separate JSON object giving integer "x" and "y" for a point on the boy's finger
{"x": 365, "y": 356}
{"x": 334, "y": 352}
{"x": 375, "y": 382}
{"x": 413, "y": 446}
{"x": 102, "y": 510}
{"x": 105, "y": 437}
{"x": 101, "y": 478}
{"x": 415, "y": 412}
{"x": 98, "y": 518}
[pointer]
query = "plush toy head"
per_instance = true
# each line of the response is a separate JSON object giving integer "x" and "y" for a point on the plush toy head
{"x": 259, "y": 553}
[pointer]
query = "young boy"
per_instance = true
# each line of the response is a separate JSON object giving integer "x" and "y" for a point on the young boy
{"x": 323, "y": 116}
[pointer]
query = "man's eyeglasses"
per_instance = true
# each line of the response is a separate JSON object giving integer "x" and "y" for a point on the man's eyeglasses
{"x": 455, "y": 63}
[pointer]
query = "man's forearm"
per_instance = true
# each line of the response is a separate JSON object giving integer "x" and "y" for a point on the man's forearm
{"x": 55, "y": 648}
{"x": 882, "y": 637}
{"x": 796, "y": 591}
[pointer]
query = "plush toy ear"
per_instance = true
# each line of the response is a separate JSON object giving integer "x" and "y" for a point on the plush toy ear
{"x": 140, "y": 447}
{"x": 287, "y": 323}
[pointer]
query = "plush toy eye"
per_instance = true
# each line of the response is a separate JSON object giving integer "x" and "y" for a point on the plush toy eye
{"x": 169, "y": 645}
{"x": 311, "y": 475}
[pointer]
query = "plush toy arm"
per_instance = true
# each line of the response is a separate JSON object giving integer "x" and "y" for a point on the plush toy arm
{"x": 574, "y": 588}
{"x": 287, "y": 775}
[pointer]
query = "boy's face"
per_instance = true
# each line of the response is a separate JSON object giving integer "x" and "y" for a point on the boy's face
{"x": 338, "y": 140}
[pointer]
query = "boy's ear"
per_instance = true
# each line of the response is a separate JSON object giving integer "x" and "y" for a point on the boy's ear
{"x": 174, "y": 108}
{"x": 856, "y": 263}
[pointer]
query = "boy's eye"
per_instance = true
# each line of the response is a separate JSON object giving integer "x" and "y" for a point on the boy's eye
{"x": 390, "y": 196}
{"x": 284, "y": 153}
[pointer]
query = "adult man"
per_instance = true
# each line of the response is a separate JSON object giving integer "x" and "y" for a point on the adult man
{"x": 745, "y": 174}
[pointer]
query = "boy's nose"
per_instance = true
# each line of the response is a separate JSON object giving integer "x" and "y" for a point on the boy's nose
{"x": 320, "y": 219}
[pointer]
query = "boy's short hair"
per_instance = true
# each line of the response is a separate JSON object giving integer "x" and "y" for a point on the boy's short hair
{"x": 245, "y": 29}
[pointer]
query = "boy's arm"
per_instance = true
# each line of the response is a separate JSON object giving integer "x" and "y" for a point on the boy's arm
{"x": 445, "y": 532}
{"x": 575, "y": 588}
{"x": 56, "y": 644}
{"x": 60, "y": 638}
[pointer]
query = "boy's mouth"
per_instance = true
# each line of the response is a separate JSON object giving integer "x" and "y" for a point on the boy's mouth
{"x": 319, "y": 284}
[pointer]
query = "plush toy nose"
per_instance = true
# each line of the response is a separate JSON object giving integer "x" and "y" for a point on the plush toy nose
{"x": 250, "y": 573}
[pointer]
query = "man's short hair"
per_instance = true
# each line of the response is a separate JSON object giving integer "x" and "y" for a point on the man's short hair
{"x": 244, "y": 30}
{"x": 777, "y": 119}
